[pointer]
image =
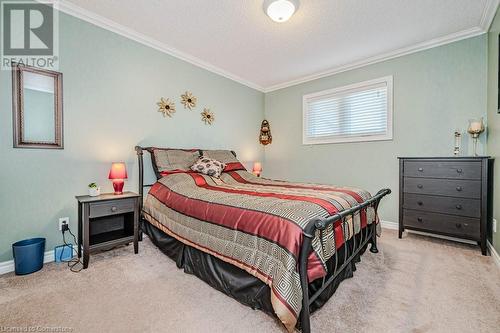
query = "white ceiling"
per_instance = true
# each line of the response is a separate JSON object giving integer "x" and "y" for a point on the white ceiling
{"x": 236, "y": 39}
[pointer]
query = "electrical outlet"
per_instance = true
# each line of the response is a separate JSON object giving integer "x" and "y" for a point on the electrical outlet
{"x": 494, "y": 225}
{"x": 63, "y": 220}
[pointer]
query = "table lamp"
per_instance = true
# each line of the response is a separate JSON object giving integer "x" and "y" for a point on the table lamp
{"x": 257, "y": 168}
{"x": 117, "y": 174}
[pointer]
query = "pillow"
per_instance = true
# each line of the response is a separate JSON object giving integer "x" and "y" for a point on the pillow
{"x": 167, "y": 161}
{"x": 208, "y": 166}
{"x": 224, "y": 156}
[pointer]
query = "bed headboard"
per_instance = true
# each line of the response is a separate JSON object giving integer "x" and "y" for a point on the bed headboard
{"x": 140, "y": 152}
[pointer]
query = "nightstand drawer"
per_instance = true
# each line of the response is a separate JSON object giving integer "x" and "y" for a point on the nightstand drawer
{"x": 106, "y": 208}
{"x": 445, "y": 205}
{"x": 446, "y": 187}
{"x": 450, "y": 225}
{"x": 443, "y": 169}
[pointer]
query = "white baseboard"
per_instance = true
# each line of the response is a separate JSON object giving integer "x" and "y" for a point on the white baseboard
{"x": 8, "y": 266}
{"x": 494, "y": 254}
{"x": 389, "y": 225}
{"x": 395, "y": 226}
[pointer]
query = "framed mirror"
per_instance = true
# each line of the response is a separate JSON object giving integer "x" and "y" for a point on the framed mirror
{"x": 37, "y": 107}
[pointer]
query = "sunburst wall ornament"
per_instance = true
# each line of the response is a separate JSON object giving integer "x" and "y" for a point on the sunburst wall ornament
{"x": 207, "y": 116}
{"x": 188, "y": 100}
{"x": 166, "y": 107}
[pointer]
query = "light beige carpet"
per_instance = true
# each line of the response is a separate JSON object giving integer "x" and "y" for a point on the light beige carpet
{"x": 417, "y": 284}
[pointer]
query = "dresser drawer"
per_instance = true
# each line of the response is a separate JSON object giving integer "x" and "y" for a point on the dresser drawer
{"x": 446, "y": 187}
{"x": 445, "y": 205}
{"x": 459, "y": 226}
{"x": 443, "y": 169}
{"x": 111, "y": 207}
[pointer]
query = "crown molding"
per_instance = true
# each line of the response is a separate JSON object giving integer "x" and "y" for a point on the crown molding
{"x": 107, "y": 24}
{"x": 487, "y": 17}
{"x": 489, "y": 12}
{"x": 454, "y": 37}
{"x": 100, "y": 21}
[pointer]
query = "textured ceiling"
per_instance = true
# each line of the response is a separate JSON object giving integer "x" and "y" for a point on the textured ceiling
{"x": 236, "y": 38}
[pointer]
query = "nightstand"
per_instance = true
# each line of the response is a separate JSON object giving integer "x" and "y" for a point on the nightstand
{"x": 106, "y": 221}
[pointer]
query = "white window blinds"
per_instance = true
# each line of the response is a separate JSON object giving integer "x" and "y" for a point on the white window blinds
{"x": 359, "y": 112}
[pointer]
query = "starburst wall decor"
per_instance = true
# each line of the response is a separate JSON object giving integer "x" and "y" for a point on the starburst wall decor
{"x": 188, "y": 100}
{"x": 166, "y": 107}
{"x": 207, "y": 116}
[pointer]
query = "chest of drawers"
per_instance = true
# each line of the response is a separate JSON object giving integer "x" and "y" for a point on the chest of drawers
{"x": 450, "y": 196}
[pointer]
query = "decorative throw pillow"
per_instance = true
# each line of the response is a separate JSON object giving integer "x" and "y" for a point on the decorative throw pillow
{"x": 168, "y": 161}
{"x": 224, "y": 156}
{"x": 208, "y": 166}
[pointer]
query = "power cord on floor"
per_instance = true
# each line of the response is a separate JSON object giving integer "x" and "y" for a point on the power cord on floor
{"x": 73, "y": 262}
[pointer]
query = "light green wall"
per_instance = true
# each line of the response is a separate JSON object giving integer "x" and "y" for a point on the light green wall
{"x": 111, "y": 86}
{"x": 494, "y": 119}
{"x": 435, "y": 92}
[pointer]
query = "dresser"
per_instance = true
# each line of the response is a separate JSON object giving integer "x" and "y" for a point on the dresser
{"x": 450, "y": 196}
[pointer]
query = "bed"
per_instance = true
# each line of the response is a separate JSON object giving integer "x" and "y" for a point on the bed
{"x": 276, "y": 246}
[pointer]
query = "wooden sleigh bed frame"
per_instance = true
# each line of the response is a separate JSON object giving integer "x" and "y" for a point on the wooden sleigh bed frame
{"x": 368, "y": 235}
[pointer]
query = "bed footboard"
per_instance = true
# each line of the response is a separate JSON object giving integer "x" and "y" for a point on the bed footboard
{"x": 368, "y": 235}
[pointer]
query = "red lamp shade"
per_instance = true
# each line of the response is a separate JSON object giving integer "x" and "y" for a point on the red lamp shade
{"x": 257, "y": 168}
{"x": 118, "y": 173}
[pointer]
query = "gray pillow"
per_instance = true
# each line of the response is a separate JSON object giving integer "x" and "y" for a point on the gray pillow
{"x": 174, "y": 160}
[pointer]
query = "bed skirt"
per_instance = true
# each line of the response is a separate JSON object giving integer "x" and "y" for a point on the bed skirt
{"x": 234, "y": 281}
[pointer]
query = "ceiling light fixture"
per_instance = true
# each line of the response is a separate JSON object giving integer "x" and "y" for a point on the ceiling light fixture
{"x": 280, "y": 10}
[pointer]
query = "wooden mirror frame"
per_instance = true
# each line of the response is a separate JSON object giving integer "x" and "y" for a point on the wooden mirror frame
{"x": 18, "y": 108}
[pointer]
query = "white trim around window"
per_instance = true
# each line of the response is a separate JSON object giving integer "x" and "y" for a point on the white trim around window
{"x": 349, "y": 114}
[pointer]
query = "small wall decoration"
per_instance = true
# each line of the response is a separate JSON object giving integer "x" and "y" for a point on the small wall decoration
{"x": 166, "y": 107}
{"x": 207, "y": 116}
{"x": 188, "y": 100}
{"x": 265, "y": 136}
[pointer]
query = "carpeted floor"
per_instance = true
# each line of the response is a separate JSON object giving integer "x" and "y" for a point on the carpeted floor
{"x": 417, "y": 284}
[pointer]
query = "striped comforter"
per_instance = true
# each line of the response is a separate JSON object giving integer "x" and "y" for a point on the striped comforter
{"x": 256, "y": 224}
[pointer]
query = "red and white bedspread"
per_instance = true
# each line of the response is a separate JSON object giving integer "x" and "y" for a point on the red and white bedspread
{"x": 256, "y": 224}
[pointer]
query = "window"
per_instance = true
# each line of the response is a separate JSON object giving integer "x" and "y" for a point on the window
{"x": 358, "y": 112}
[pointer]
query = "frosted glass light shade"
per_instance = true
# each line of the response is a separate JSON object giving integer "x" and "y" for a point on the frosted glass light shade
{"x": 280, "y": 10}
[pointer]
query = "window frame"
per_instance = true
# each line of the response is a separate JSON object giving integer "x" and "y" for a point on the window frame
{"x": 388, "y": 80}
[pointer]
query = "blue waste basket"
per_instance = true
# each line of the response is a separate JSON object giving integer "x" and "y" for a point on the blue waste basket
{"x": 28, "y": 255}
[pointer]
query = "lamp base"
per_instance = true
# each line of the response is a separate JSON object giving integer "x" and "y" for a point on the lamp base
{"x": 118, "y": 186}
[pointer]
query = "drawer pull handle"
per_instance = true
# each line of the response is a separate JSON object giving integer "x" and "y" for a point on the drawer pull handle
{"x": 419, "y": 219}
{"x": 458, "y": 207}
{"x": 420, "y": 203}
{"x": 458, "y": 225}
{"x": 420, "y": 186}
{"x": 114, "y": 209}
{"x": 459, "y": 188}
{"x": 459, "y": 170}
{"x": 421, "y": 169}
